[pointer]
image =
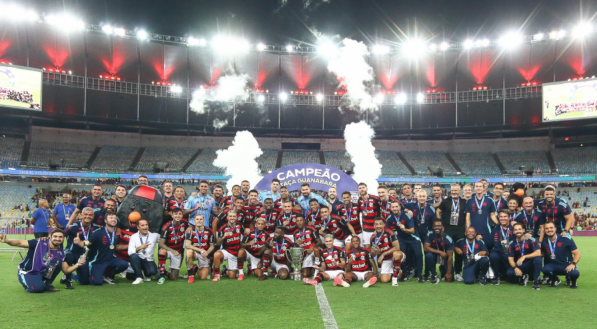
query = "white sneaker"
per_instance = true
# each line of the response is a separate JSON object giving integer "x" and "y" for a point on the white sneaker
{"x": 458, "y": 277}
{"x": 138, "y": 280}
{"x": 147, "y": 279}
{"x": 122, "y": 275}
{"x": 394, "y": 282}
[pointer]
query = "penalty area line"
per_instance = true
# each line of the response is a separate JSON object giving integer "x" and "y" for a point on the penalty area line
{"x": 329, "y": 321}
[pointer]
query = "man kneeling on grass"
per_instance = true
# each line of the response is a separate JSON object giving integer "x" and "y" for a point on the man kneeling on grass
{"x": 361, "y": 267}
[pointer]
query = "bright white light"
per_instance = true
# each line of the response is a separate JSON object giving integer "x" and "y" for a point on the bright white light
{"x": 482, "y": 43}
{"x": 17, "y": 13}
{"x": 289, "y": 48}
{"x": 196, "y": 42}
{"x": 261, "y": 98}
{"x": 420, "y": 98}
{"x": 538, "y": 36}
{"x": 468, "y": 44}
{"x": 319, "y": 97}
{"x": 142, "y": 35}
{"x": 400, "y": 99}
{"x": 175, "y": 89}
{"x": 414, "y": 47}
{"x": 433, "y": 47}
{"x": 65, "y": 22}
{"x": 261, "y": 46}
{"x": 108, "y": 29}
{"x": 444, "y": 46}
{"x": 283, "y": 96}
{"x": 557, "y": 35}
{"x": 243, "y": 46}
{"x": 511, "y": 40}
{"x": 327, "y": 49}
{"x": 380, "y": 49}
{"x": 119, "y": 31}
{"x": 378, "y": 98}
{"x": 582, "y": 30}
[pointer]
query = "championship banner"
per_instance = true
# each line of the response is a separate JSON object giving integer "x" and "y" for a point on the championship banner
{"x": 320, "y": 177}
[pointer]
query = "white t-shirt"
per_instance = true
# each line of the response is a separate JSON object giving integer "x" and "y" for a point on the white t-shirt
{"x": 135, "y": 241}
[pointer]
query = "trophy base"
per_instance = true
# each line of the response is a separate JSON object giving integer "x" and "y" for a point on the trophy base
{"x": 297, "y": 276}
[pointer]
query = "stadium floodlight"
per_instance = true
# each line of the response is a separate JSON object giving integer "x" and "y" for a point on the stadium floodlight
{"x": 414, "y": 47}
{"x": 108, "y": 29}
{"x": 120, "y": 32}
{"x": 16, "y": 13}
{"x": 260, "y": 98}
{"x": 420, "y": 98}
{"x": 379, "y": 98}
{"x": 283, "y": 96}
{"x": 243, "y": 46}
{"x": 327, "y": 49}
{"x": 433, "y": 47}
{"x": 196, "y": 42}
{"x": 468, "y": 44}
{"x": 538, "y": 37}
{"x": 176, "y": 89}
{"x": 65, "y": 22}
{"x": 289, "y": 48}
{"x": 511, "y": 40}
{"x": 261, "y": 46}
{"x": 400, "y": 99}
{"x": 482, "y": 43}
{"x": 444, "y": 46}
{"x": 380, "y": 49}
{"x": 557, "y": 35}
{"x": 582, "y": 30}
{"x": 142, "y": 35}
{"x": 319, "y": 97}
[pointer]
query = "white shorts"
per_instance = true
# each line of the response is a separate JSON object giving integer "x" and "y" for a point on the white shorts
{"x": 333, "y": 274}
{"x": 347, "y": 240}
{"x": 202, "y": 263}
{"x": 175, "y": 261}
{"x": 339, "y": 243}
{"x": 366, "y": 237}
{"x": 277, "y": 266}
{"x": 308, "y": 260}
{"x": 361, "y": 275}
{"x": 253, "y": 261}
{"x": 290, "y": 237}
{"x": 387, "y": 267}
{"x": 232, "y": 260}
{"x": 130, "y": 269}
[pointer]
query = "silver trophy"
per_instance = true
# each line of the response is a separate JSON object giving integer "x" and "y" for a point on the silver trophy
{"x": 505, "y": 245}
{"x": 84, "y": 256}
{"x": 295, "y": 256}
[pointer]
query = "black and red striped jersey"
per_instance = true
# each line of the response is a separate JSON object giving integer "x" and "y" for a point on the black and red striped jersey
{"x": 332, "y": 258}
{"x": 251, "y": 212}
{"x": 231, "y": 243}
{"x": 336, "y": 226}
{"x": 223, "y": 217}
{"x": 220, "y": 202}
{"x": 279, "y": 204}
{"x": 370, "y": 209}
{"x": 291, "y": 219}
{"x": 259, "y": 239}
{"x": 172, "y": 203}
{"x": 306, "y": 237}
{"x": 383, "y": 242}
{"x": 314, "y": 219}
{"x": 174, "y": 235}
{"x": 279, "y": 249}
{"x": 271, "y": 218}
{"x": 351, "y": 215}
{"x": 125, "y": 237}
{"x": 360, "y": 260}
{"x": 201, "y": 238}
{"x": 385, "y": 207}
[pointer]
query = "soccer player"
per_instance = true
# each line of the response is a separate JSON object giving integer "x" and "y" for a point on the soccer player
{"x": 563, "y": 257}
{"x": 61, "y": 213}
{"x": 439, "y": 249}
{"x": 306, "y": 196}
{"x": 103, "y": 265}
{"x": 501, "y": 236}
{"x": 203, "y": 204}
{"x": 75, "y": 233}
{"x": 387, "y": 249}
{"x": 245, "y": 187}
{"x": 251, "y": 209}
{"x": 337, "y": 226}
{"x": 360, "y": 267}
{"x": 475, "y": 255}
{"x": 177, "y": 201}
{"x": 524, "y": 256}
{"x": 313, "y": 216}
{"x": 498, "y": 200}
{"x": 350, "y": 212}
{"x": 200, "y": 245}
{"x": 277, "y": 247}
{"x": 392, "y": 192}
{"x": 424, "y": 215}
{"x": 119, "y": 195}
{"x": 279, "y": 203}
{"x": 532, "y": 219}
{"x": 171, "y": 246}
{"x": 229, "y": 238}
{"x": 167, "y": 187}
{"x": 369, "y": 208}
{"x": 288, "y": 219}
{"x": 334, "y": 262}
{"x": 401, "y": 223}
{"x": 222, "y": 219}
{"x": 333, "y": 200}
{"x": 480, "y": 211}
{"x": 42, "y": 255}
{"x": 436, "y": 199}
{"x": 41, "y": 219}
{"x": 273, "y": 194}
{"x": 556, "y": 210}
{"x": 452, "y": 212}
{"x": 385, "y": 200}
{"x": 218, "y": 196}
{"x": 512, "y": 210}
{"x": 96, "y": 202}
{"x": 141, "y": 248}
{"x": 253, "y": 244}
{"x": 307, "y": 237}
{"x": 229, "y": 200}
{"x": 409, "y": 201}
{"x": 269, "y": 216}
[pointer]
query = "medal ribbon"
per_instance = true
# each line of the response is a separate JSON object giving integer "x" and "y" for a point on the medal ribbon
{"x": 479, "y": 204}
{"x": 552, "y": 248}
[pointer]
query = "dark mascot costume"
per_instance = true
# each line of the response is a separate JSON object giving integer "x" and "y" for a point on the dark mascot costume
{"x": 518, "y": 192}
{"x": 145, "y": 200}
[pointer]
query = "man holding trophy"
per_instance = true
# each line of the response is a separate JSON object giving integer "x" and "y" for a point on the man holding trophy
{"x": 307, "y": 238}
{"x": 501, "y": 236}
{"x": 276, "y": 248}
{"x": 332, "y": 267}
{"x": 475, "y": 254}
{"x": 361, "y": 267}
{"x": 75, "y": 233}
{"x": 439, "y": 249}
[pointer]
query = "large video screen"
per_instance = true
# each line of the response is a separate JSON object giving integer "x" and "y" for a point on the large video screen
{"x": 570, "y": 100}
{"x": 20, "y": 87}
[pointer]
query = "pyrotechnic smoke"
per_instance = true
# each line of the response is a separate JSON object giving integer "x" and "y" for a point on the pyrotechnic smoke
{"x": 353, "y": 71}
{"x": 239, "y": 159}
{"x": 367, "y": 168}
{"x": 219, "y": 124}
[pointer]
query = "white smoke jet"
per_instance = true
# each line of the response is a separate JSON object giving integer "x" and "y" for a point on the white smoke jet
{"x": 229, "y": 88}
{"x": 238, "y": 160}
{"x": 367, "y": 168}
{"x": 219, "y": 124}
{"x": 349, "y": 65}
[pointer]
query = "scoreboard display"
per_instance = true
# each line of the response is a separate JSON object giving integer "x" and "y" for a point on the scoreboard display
{"x": 570, "y": 100}
{"x": 20, "y": 87}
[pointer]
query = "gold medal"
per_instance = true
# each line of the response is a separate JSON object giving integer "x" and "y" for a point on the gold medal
{"x": 111, "y": 246}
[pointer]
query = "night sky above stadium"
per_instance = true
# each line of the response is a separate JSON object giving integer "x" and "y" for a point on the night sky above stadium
{"x": 281, "y": 21}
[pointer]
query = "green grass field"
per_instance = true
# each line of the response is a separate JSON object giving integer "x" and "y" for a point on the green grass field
{"x": 277, "y": 304}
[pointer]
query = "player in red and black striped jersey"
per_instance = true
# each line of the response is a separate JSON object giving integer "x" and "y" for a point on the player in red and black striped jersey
{"x": 277, "y": 247}
{"x": 252, "y": 208}
{"x": 228, "y": 201}
{"x": 287, "y": 219}
{"x": 219, "y": 198}
{"x": 200, "y": 245}
{"x": 125, "y": 237}
{"x": 171, "y": 246}
{"x": 307, "y": 237}
{"x": 269, "y": 215}
{"x": 176, "y": 201}
{"x": 386, "y": 247}
{"x": 229, "y": 237}
{"x": 337, "y": 226}
{"x": 360, "y": 267}
{"x": 313, "y": 217}
{"x": 350, "y": 212}
{"x": 222, "y": 219}
{"x": 369, "y": 208}
{"x": 385, "y": 199}
{"x": 254, "y": 243}
{"x": 334, "y": 262}
{"x": 279, "y": 204}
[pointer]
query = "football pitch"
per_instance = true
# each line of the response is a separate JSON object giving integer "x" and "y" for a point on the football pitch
{"x": 290, "y": 304}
